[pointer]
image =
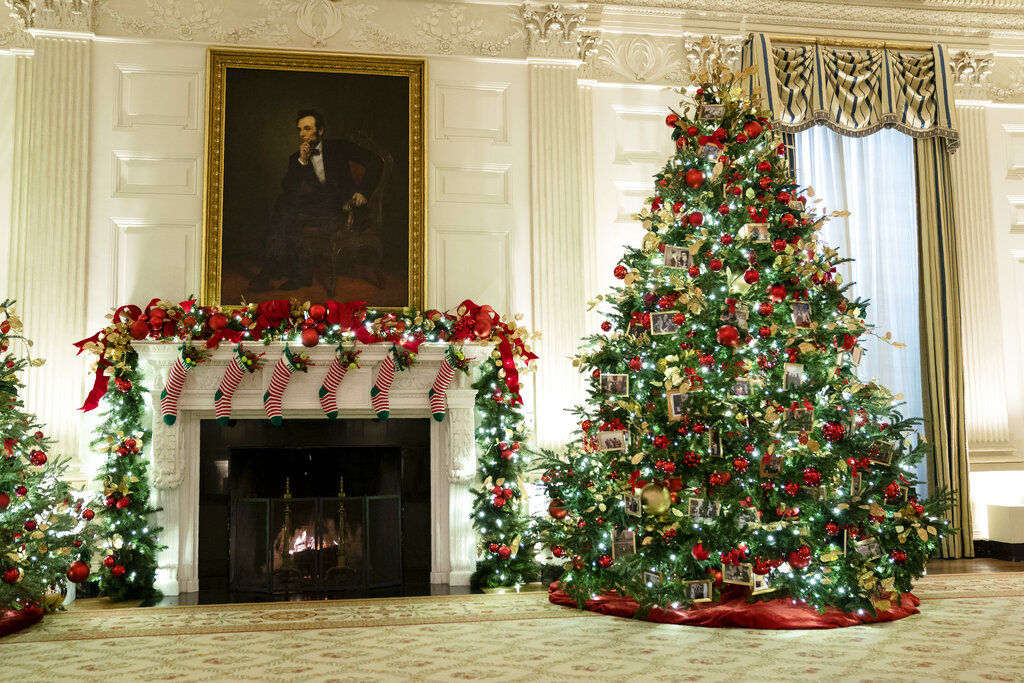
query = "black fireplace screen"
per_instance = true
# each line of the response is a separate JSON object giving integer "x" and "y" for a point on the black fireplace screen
{"x": 293, "y": 545}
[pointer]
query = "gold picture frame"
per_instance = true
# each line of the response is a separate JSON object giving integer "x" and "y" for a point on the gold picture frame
{"x": 363, "y": 237}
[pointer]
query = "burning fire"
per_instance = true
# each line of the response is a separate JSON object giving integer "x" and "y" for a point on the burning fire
{"x": 305, "y": 541}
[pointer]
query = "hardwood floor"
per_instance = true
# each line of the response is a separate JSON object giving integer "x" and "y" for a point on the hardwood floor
{"x": 978, "y": 565}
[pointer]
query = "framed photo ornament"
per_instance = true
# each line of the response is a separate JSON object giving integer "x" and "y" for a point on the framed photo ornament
{"x": 312, "y": 190}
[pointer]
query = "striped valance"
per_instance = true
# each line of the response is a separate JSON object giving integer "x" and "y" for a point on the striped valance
{"x": 854, "y": 91}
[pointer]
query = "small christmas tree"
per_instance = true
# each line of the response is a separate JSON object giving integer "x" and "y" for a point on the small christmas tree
{"x": 130, "y": 540}
{"x": 43, "y": 531}
{"x": 728, "y": 436}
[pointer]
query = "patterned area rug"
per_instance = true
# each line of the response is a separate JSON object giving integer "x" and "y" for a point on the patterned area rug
{"x": 969, "y": 630}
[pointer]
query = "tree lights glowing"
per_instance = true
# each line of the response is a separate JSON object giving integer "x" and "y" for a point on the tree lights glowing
{"x": 728, "y": 438}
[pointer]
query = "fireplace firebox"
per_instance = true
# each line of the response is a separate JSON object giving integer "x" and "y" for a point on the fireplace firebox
{"x": 314, "y": 507}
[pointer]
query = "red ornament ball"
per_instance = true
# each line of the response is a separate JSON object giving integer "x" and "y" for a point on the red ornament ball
{"x": 696, "y": 219}
{"x": 764, "y": 166}
{"x": 764, "y": 183}
{"x": 123, "y": 385}
{"x": 741, "y": 138}
{"x": 764, "y": 331}
{"x": 557, "y": 550}
{"x": 783, "y": 197}
{"x": 752, "y": 129}
{"x": 694, "y": 178}
{"x": 726, "y": 240}
{"x": 677, "y": 207}
{"x": 635, "y": 364}
{"x": 812, "y": 477}
{"x": 20, "y": 491}
{"x": 849, "y": 341}
{"x": 504, "y": 552}
{"x": 699, "y": 553}
{"x": 765, "y": 309}
{"x": 692, "y": 130}
{"x": 728, "y": 335}
{"x": 30, "y": 525}
{"x": 555, "y": 509}
{"x": 898, "y": 556}
{"x": 831, "y": 528}
{"x": 671, "y": 120}
{"x": 124, "y": 502}
{"x": 723, "y": 209}
{"x": 5, "y": 500}
{"x": 715, "y": 264}
{"x": 88, "y": 514}
{"x": 11, "y": 575}
{"x": 77, "y": 572}
{"x": 620, "y": 272}
{"x": 318, "y": 312}
{"x": 37, "y": 458}
{"x": 751, "y": 276}
{"x": 117, "y": 571}
{"x": 217, "y": 322}
{"x": 800, "y": 558}
{"x": 778, "y": 245}
{"x": 109, "y": 561}
{"x": 679, "y": 318}
{"x": 833, "y": 432}
{"x": 777, "y": 292}
{"x": 740, "y": 464}
{"x": 604, "y": 561}
{"x": 606, "y": 326}
{"x": 693, "y": 271}
{"x": 140, "y": 328}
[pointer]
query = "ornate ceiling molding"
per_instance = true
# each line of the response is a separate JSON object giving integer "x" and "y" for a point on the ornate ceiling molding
{"x": 970, "y": 19}
{"x": 972, "y": 72}
{"x": 661, "y": 59}
{"x": 556, "y": 31}
{"x": 53, "y": 15}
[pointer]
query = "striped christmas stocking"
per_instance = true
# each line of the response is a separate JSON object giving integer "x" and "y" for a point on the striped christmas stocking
{"x": 380, "y": 393}
{"x": 232, "y": 376}
{"x": 283, "y": 371}
{"x": 439, "y": 391}
{"x": 172, "y": 390}
{"x": 329, "y": 389}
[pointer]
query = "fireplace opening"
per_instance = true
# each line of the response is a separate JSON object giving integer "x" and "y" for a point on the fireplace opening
{"x": 314, "y": 509}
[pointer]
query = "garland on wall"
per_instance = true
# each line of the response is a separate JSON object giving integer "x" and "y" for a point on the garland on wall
{"x": 131, "y": 544}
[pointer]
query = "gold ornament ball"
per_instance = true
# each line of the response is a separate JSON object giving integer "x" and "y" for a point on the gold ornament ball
{"x": 656, "y": 498}
{"x": 54, "y": 597}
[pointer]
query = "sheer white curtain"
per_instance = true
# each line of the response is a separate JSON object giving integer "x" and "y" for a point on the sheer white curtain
{"x": 873, "y": 178}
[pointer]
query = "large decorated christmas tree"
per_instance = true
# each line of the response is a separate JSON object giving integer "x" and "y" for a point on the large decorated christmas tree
{"x": 43, "y": 531}
{"x": 729, "y": 440}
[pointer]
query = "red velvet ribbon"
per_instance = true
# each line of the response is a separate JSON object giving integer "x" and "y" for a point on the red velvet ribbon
{"x": 99, "y": 387}
{"x": 793, "y": 352}
{"x": 635, "y": 482}
{"x": 732, "y": 306}
{"x": 233, "y": 336}
{"x": 269, "y": 314}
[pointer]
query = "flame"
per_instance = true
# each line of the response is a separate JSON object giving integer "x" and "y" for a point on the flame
{"x": 305, "y": 541}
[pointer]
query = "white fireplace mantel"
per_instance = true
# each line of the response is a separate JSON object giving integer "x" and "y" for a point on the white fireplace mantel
{"x": 175, "y": 449}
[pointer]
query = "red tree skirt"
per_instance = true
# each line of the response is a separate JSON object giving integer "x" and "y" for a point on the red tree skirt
{"x": 13, "y": 620}
{"x": 734, "y": 611}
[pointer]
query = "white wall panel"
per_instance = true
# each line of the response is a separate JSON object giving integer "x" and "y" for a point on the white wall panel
{"x": 472, "y": 184}
{"x": 1014, "y": 146}
{"x": 631, "y": 143}
{"x": 1016, "y": 215}
{"x": 487, "y": 272}
{"x": 146, "y": 148}
{"x": 140, "y": 174}
{"x": 156, "y": 96}
{"x": 472, "y": 111}
{"x": 478, "y": 210}
{"x": 139, "y": 241}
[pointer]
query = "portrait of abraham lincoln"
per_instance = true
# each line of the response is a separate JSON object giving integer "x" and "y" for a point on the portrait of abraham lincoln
{"x": 314, "y": 179}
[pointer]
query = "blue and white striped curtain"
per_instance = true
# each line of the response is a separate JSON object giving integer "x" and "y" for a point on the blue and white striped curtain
{"x": 854, "y": 92}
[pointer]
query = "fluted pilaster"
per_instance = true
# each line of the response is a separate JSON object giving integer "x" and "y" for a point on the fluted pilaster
{"x": 48, "y": 251}
{"x": 987, "y": 426}
{"x": 558, "y": 243}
